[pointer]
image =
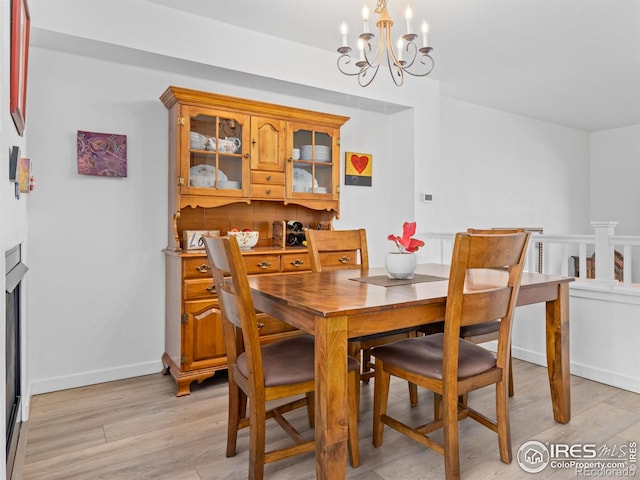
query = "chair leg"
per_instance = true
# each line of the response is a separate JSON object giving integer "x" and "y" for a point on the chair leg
{"x": 235, "y": 404}
{"x": 413, "y": 388}
{"x": 413, "y": 394}
{"x": 511, "y": 390}
{"x": 437, "y": 406}
{"x": 502, "y": 419}
{"x": 257, "y": 441}
{"x": 353, "y": 416}
{"x": 243, "y": 405}
{"x": 357, "y": 395}
{"x": 366, "y": 364}
{"x": 450, "y": 436}
{"x": 311, "y": 408}
{"x": 380, "y": 399}
{"x": 355, "y": 351}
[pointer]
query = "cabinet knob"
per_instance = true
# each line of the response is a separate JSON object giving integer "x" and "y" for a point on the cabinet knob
{"x": 264, "y": 265}
{"x": 344, "y": 259}
{"x": 211, "y": 289}
{"x": 297, "y": 262}
{"x": 260, "y": 325}
{"x": 268, "y": 178}
{"x": 204, "y": 268}
{"x": 269, "y": 192}
{"x": 246, "y": 155}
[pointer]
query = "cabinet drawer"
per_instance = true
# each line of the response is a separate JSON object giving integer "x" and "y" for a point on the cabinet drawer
{"x": 262, "y": 263}
{"x": 270, "y": 178}
{"x": 267, "y": 191}
{"x": 267, "y": 325}
{"x": 339, "y": 258}
{"x": 196, "y": 268}
{"x": 196, "y": 288}
{"x": 295, "y": 262}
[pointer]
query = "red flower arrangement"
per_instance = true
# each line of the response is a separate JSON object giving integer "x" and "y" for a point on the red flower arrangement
{"x": 405, "y": 243}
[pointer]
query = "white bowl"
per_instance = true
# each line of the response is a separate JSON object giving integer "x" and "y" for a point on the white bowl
{"x": 246, "y": 240}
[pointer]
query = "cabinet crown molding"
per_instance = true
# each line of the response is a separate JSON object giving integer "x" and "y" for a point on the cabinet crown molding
{"x": 173, "y": 95}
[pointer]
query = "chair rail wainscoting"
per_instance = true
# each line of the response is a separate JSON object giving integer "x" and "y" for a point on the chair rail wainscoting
{"x": 138, "y": 429}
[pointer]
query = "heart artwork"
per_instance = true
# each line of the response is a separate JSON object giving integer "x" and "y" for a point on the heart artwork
{"x": 359, "y": 162}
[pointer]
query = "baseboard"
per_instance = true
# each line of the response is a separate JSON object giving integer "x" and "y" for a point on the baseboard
{"x": 589, "y": 372}
{"x": 606, "y": 377}
{"x": 96, "y": 376}
{"x": 530, "y": 356}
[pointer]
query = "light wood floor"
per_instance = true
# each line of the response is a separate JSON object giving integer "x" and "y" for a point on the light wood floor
{"x": 139, "y": 429}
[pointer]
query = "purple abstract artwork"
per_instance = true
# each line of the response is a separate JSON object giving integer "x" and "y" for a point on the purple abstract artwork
{"x": 102, "y": 154}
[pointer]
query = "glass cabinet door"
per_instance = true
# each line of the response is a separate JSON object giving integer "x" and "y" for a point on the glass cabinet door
{"x": 313, "y": 162}
{"x": 217, "y": 151}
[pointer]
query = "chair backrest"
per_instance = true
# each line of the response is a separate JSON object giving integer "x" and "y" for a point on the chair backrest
{"x": 236, "y": 303}
{"x": 337, "y": 249}
{"x": 495, "y": 230}
{"x": 484, "y": 280}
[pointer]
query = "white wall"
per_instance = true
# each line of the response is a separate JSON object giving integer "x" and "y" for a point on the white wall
{"x": 502, "y": 169}
{"x": 615, "y": 176}
{"x": 97, "y": 279}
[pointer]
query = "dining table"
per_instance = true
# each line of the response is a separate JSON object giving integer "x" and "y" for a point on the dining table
{"x": 337, "y": 305}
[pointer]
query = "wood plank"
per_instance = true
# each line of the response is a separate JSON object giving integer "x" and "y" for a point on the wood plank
{"x": 149, "y": 433}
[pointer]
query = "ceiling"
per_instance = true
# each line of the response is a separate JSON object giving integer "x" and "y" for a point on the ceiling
{"x": 571, "y": 62}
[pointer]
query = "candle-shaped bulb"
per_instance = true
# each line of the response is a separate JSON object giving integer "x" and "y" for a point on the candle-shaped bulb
{"x": 361, "y": 48}
{"x": 425, "y": 33}
{"x": 400, "y": 45}
{"x": 365, "y": 19}
{"x": 408, "y": 14}
{"x": 344, "y": 29}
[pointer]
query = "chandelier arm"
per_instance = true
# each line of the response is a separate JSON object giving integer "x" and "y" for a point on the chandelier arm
{"x": 412, "y": 52}
{"x": 399, "y": 72}
{"x": 343, "y": 60}
{"x": 367, "y": 46}
{"x": 422, "y": 58}
{"x": 363, "y": 74}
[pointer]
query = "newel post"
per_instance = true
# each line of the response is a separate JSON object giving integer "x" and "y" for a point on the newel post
{"x": 604, "y": 261}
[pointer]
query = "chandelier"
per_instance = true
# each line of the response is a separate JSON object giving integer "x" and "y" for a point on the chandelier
{"x": 418, "y": 61}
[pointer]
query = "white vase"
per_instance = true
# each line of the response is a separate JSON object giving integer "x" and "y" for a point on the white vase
{"x": 400, "y": 265}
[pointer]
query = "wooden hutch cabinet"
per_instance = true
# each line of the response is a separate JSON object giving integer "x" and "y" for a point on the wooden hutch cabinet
{"x": 236, "y": 163}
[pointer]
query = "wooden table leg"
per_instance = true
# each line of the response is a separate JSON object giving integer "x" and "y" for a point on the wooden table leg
{"x": 331, "y": 398}
{"x": 557, "y": 328}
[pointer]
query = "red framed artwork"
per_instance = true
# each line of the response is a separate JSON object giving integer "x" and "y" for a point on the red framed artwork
{"x": 358, "y": 169}
{"x": 20, "y": 25}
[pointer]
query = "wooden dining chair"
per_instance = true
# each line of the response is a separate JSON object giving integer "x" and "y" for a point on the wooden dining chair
{"x": 484, "y": 280}
{"x": 481, "y": 332}
{"x": 280, "y": 370}
{"x": 347, "y": 249}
